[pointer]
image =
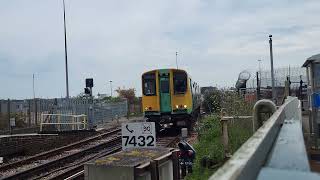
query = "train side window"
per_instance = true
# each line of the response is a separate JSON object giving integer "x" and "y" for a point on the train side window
{"x": 180, "y": 82}
{"x": 149, "y": 84}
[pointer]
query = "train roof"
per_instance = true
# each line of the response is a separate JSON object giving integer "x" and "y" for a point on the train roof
{"x": 166, "y": 69}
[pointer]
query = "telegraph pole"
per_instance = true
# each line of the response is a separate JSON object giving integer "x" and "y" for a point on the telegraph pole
{"x": 65, "y": 49}
{"x": 272, "y": 72}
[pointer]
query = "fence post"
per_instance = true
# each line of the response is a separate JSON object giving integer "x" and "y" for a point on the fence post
{"x": 225, "y": 134}
{"x": 258, "y": 86}
{"x": 9, "y": 113}
{"x": 29, "y": 113}
{"x": 59, "y": 121}
{"x": 225, "y": 137}
{"x": 41, "y": 120}
{"x": 128, "y": 109}
{"x": 36, "y": 112}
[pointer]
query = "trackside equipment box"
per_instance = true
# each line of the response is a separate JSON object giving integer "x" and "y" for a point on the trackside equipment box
{"x": 135, "y": 164}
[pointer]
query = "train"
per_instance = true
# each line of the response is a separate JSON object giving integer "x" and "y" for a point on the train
{"x": 170, "y": 98}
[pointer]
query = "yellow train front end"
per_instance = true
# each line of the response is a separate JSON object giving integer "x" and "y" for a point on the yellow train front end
{"x": 150, "y": 96}
{"x": 168, "y": 97}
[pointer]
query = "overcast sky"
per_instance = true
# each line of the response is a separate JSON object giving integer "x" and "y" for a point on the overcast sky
{"x": 119, "y": 40}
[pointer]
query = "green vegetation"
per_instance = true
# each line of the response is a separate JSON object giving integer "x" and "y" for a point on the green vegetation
{"x": 209, "y": 145}
{"x": 230, "y": 101}
{"x": 112, "y": 99}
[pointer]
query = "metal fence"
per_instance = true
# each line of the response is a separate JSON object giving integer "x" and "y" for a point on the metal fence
{"x": 280, "y": 76}
{"x": 27, "y": 113}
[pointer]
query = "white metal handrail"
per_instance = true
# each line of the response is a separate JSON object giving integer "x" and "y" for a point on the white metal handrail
{"x": 76, "y": 121}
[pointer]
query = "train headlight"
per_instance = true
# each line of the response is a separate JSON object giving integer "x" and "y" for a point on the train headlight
{"x": 185, "y": 106}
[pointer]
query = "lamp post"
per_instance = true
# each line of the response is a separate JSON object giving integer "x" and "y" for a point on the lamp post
{"x": 272, "y": 72}
{"x": 65, "y": 49}
{"x": 110, "y": 88}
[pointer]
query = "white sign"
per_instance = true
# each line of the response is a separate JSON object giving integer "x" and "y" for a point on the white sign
{"x": 1, "y": 160}
{"x": 138, "y": 135}
{"x": 12, "y": 122}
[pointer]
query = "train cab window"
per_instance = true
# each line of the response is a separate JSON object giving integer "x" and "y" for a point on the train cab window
{"x": 180, "y": 82}
{"x": 149, "y": 84}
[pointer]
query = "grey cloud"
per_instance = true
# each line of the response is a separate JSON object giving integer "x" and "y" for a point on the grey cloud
{"x": 118, "y": 40}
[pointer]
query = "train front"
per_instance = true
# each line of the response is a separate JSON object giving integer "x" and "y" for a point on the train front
{"x": 166, "y": 96}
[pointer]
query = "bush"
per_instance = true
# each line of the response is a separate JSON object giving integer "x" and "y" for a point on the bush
{"x": 112, "y": 99}
{"x": 208, "y": 146}
{"x": 230, "y": 101}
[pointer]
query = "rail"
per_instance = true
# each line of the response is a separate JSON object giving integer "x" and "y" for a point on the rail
{"x": 275, "y": 151}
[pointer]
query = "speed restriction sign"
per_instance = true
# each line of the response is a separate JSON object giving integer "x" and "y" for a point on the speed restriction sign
{"x": 138, "y": 135}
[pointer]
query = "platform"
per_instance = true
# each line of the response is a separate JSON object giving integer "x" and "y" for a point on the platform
{"x": 132, "y": 164}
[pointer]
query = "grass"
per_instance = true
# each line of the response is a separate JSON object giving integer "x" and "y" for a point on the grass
{"x": 210, "y": 144}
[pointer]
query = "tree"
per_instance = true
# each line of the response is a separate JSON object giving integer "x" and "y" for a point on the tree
{"x": 129, "y": 94}
{"x": 212, "y": 101}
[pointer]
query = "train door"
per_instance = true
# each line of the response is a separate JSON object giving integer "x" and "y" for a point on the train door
{"x": 165, "y": 98}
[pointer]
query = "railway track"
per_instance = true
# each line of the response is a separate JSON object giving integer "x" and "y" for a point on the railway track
{"x": 50, "y": 161}
{"x": 78, "y": 172}
{"x": 67, "y": 162}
